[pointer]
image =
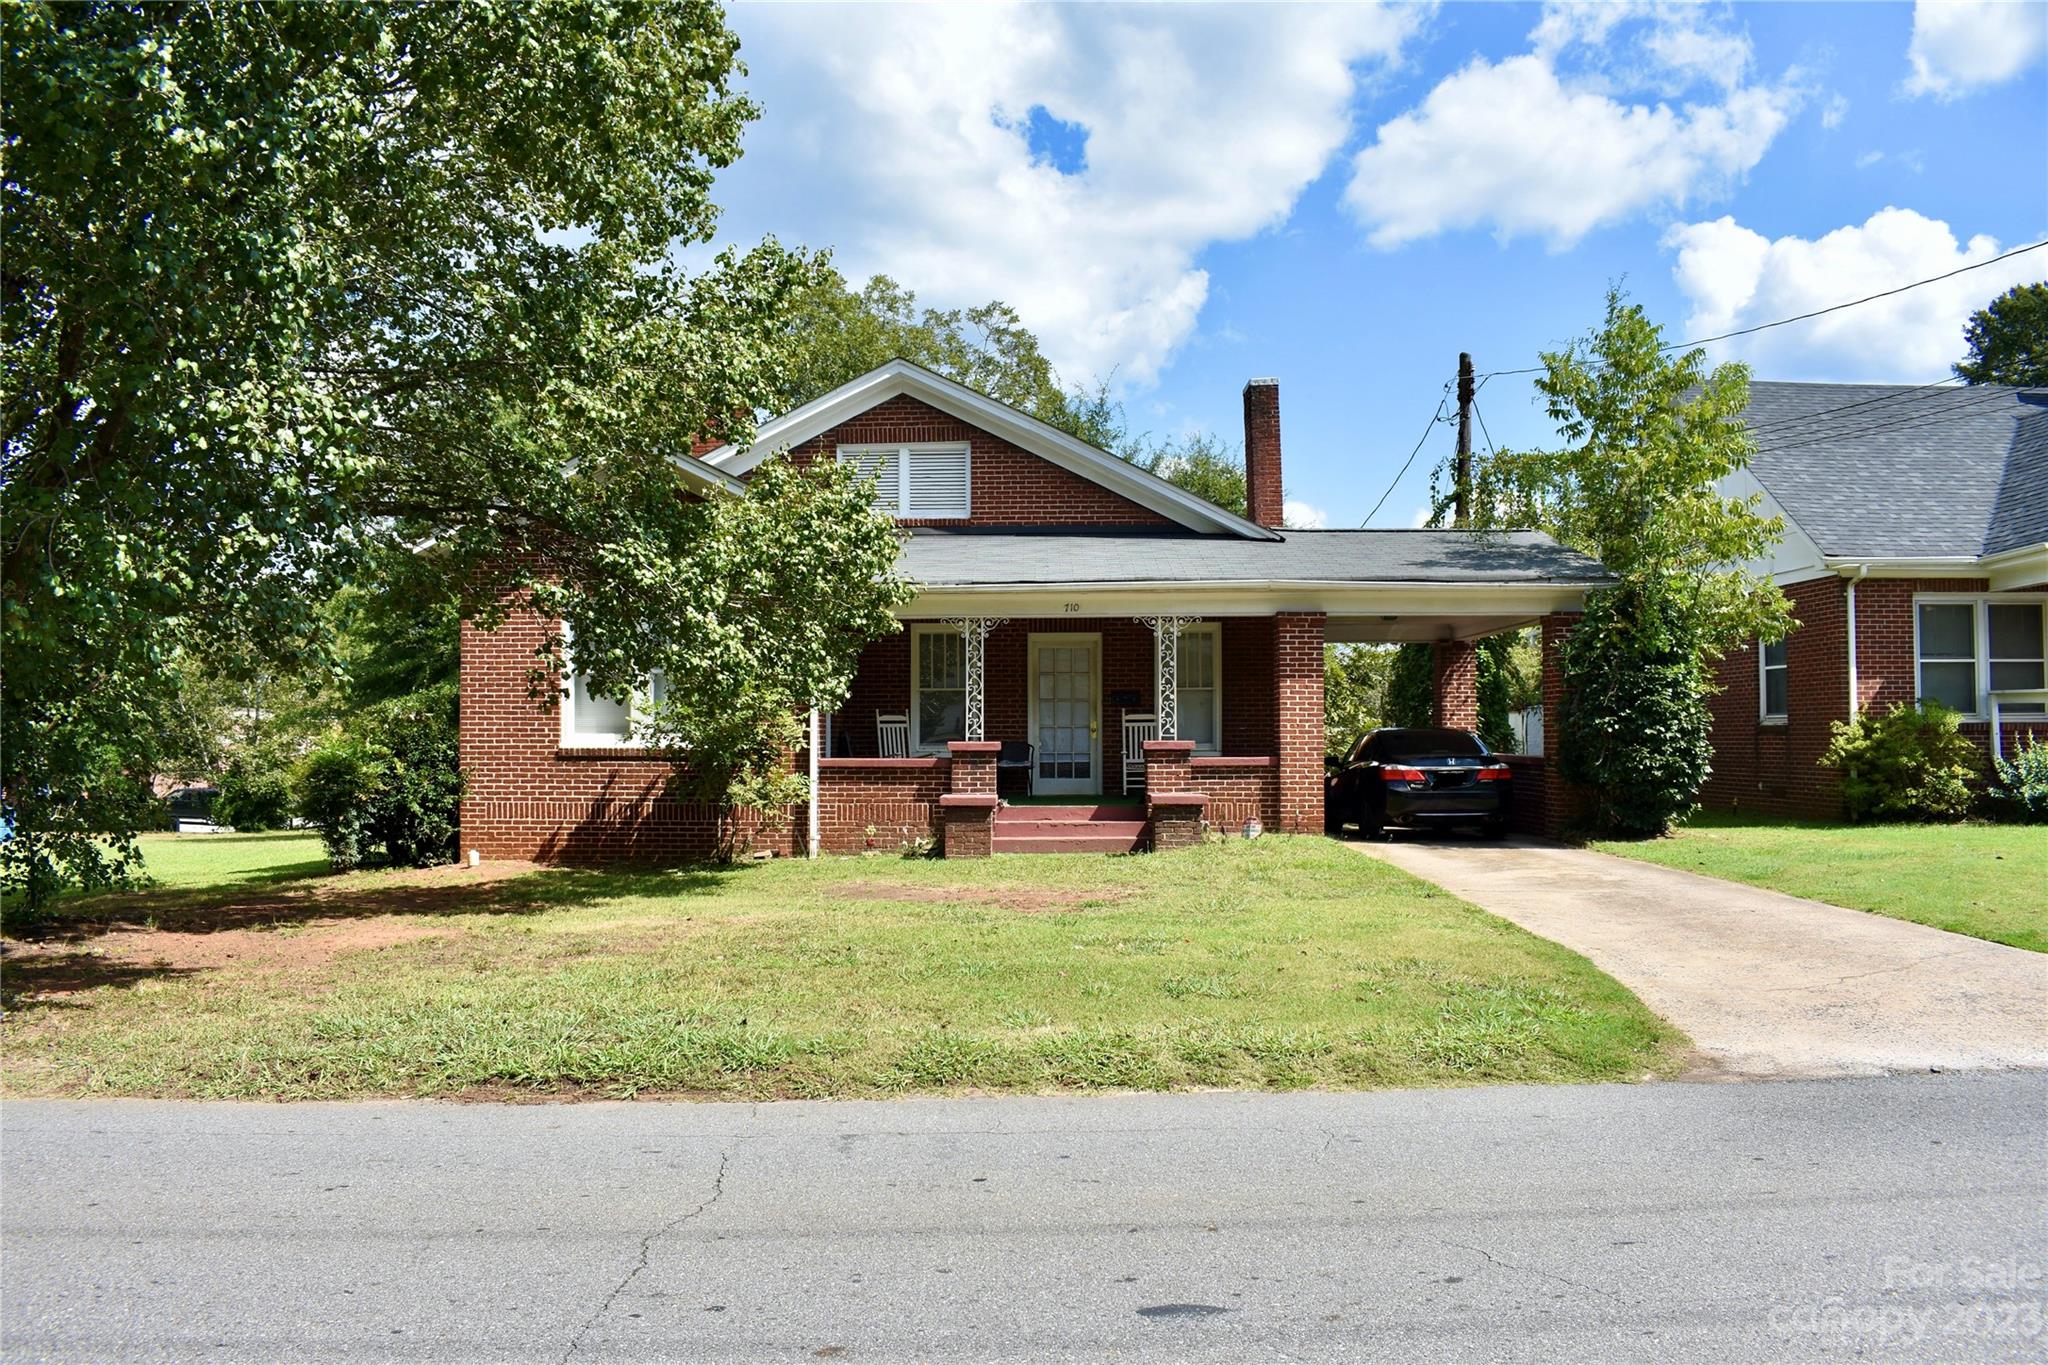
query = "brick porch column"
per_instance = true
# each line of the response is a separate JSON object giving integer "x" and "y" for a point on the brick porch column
{"x": 968, "y": 811}
{"x": 1298, "y": 719}
{"x": 1561, "y": 803}
{"x": 1457, "y": 684}
{"x": 1175, "y": 810}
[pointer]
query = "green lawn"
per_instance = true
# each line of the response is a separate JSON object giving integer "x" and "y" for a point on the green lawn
{"x": 1987, "y": 881}
{"x": 1280, "y": 963}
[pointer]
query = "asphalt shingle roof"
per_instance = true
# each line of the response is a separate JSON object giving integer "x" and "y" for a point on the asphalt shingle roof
{"x": 1893, "y": 470}
{"x": 978, "y": 558}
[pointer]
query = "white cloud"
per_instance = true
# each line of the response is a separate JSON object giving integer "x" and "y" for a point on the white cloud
{"x": 899, "y": 136}
{"x": 1736, "y": 278}
{"x": 1834, "y": 111}
{"x": 1303, "y": 516}
{"x": 1541, "y": 144}
{"x": 1961, "y": 45}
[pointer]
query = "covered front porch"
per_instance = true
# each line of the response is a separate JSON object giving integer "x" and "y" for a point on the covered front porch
{"x": 986, "y": 725}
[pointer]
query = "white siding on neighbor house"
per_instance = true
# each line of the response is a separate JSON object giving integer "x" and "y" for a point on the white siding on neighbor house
{"x": 1795, "y": 558}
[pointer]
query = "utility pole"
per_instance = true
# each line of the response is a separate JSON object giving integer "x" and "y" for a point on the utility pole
{"x": 1461, "y": 495}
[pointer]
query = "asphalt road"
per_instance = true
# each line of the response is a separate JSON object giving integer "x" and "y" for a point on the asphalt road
{"x": 1889, "y": 1218}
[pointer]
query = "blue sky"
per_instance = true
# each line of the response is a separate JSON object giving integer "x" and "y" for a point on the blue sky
{"x": 1181, "y": 198}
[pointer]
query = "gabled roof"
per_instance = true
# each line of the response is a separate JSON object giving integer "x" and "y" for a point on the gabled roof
{"x": 1063, "y": 556}
{"x": 1894, "y": 471}
{"x": 901, "y": 377}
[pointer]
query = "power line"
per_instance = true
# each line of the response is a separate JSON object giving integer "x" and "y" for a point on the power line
{"x": 1435, "y": 418}
{"x": 1818, "y": 312}
{"x": 1490, "y": 450}
{"x": 1803, "y": 419}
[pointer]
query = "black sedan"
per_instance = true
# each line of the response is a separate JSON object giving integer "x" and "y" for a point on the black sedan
{"x": 1418, "y": 779}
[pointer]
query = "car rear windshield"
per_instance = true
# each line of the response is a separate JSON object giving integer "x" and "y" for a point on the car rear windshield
{"x": 1406, "y": 744}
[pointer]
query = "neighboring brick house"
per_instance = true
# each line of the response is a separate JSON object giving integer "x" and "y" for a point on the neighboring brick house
{"x": 1066, "y": 600}
{"x": 1916, "y": 557}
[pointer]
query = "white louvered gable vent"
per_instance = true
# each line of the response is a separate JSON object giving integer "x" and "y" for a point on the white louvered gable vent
{"x": 885, "y": 468}
{"x": 938, "y": 483}
{"x": 916, "y": 482}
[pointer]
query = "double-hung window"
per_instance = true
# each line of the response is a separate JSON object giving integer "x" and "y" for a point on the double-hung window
{"x": 938, "y": 687}
{"x": 1966, "y": 648}
{"x": 1774, "y": 677}
{"x": 1198, "y": 695}
{"x": 927, "y": 482}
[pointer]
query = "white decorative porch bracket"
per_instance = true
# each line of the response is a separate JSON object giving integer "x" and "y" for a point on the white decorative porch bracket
{"x": 1166, "y": 670}
{"x": 974, "y": 633}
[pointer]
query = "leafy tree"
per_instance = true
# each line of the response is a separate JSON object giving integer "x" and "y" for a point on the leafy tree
{"x": 1648, "y": 436}
{"x": 1354, "y": 692}
{"x": 764, "y": 619}
{"x": 2008, "y": 339}
{"x": 837, "y": 333}
{"x": 1199, "y": 463}
{"x": 1496, "y": 686}
{"x": 285, "y": 281}
{"x": 1636, "y": 733}
{"x": 1411, "y": 686}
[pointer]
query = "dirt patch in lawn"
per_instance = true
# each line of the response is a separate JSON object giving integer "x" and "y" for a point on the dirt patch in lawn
{"x": 1025, "y": 900}
{"x": 53, "y": 969}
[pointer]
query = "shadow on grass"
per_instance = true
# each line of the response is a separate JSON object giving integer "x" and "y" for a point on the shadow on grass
{"x": 282, "y": 902}
{"x": 47, "y": 978}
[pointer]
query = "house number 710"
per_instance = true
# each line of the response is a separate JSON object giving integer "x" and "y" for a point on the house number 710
{"x": 1070, "y": 607}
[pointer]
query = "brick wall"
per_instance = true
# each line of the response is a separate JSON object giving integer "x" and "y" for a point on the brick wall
{"x": 528, "y": 797}
{"x": 1298, "y": 719}
{"x": 1239, "y": 789}
{"x": 1776, "y": 769}
{"x": 879, "y": 803}
{"x": 1008, "y": 486}
{"x": 1456, "y": 670}
{"x": 1265, "y": 494}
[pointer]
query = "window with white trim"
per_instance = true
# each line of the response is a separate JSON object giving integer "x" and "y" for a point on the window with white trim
{"x": 1773, "y": 681}
{"x": 916, "y": 482}
{"x": 1965, "y": 648}
{"x": 938, "y": 687}
{"x": 1198, "y": 697}
{"x": 593, "y": 721}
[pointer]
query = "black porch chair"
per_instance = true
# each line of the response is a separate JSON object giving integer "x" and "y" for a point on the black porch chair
{"x": 1016, "y": 756}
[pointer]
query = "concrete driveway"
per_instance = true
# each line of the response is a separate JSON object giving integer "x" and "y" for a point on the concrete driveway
{"x": 1766, "y": 984}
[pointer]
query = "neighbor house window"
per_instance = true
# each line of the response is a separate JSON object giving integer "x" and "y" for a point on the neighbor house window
{"x": 1969, "y": 647}
{"x": 1199, "y": 696}
{"x": 1771, "y": 660}
{"x": 938, "y": 686}
{"x": 921, "y": 482}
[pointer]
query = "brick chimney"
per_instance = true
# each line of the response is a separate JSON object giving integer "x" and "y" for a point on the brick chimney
{"x": 1264, "y": 496}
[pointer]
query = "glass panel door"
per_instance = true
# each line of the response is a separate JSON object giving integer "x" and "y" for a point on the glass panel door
{"x": 1064, "y": 722}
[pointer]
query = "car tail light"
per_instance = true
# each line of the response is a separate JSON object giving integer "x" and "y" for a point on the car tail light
{"x": 1402, "y": 775}
{"x": 1497, "y": 772}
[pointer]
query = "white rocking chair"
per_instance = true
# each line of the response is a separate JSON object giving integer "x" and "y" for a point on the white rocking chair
{"x": 892, "y": 736}
{"x": 1139, "y": 726}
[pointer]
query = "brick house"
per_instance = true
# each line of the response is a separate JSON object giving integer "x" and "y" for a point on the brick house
{"x": 1916, "y": 556}
{"x": 1151, "y": 661}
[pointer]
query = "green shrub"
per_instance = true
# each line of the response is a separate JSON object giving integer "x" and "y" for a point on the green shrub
{"x": 2023, "y": 783}
{"x": 334, "y": 785}
{"x": 255, "y": 793}
{"x": 1635, "y": 729}
{"x": 391, "y": 782}
{"x": 1911, "y": 763}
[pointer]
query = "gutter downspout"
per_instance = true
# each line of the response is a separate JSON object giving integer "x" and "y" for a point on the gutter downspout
{"x": 1854, "y": 703}
{"x": 811, "y": 839}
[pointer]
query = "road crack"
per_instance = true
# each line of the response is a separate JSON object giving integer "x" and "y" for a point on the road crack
{"x": 1494, "y": 1260}
{"x": 646, "y": 1250}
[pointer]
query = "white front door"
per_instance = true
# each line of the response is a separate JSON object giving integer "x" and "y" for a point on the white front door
{"x": 1064, "y": 722}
